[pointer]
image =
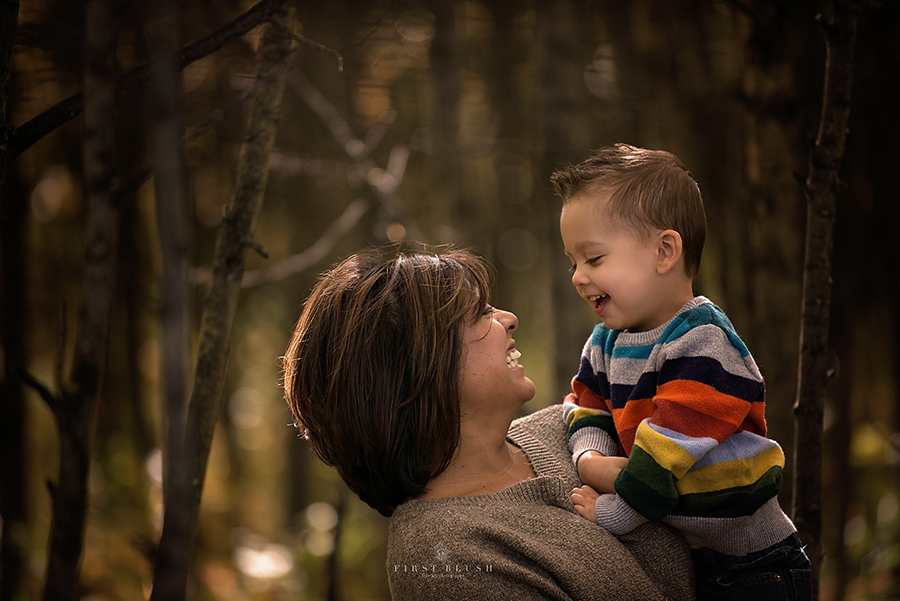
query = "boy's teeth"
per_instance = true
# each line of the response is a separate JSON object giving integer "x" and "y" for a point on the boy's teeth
{"x": 512, "y": 359}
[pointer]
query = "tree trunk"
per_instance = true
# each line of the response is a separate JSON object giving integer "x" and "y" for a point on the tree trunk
{"x": 9, "y": 16}
{"x": 219, "y": 305}
{"x": 448, "y": 204}
{"x": 75, "y": 410}
{"x": 13, "y": 470}
{"x": 12, "y": 336}
{"x": 822, "y": 188}
{"x": 169, "y": 179}
{"x": 562, "y": 138}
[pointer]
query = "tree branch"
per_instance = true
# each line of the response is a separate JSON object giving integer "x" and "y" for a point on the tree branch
{"x": 312, "y": 255}
{"x": 385, "y": 185}
{"x": 305, "y": 40}
{"x": 27, "y": 134}
{"x": 39, "y": 387}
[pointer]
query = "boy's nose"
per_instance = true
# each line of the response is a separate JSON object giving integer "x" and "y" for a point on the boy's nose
{"x": 579, "y": 279}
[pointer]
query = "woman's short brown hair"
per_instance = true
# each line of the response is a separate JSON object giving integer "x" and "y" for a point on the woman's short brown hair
{"x": 647, "y": 189}
{"x": 372, "y": 369}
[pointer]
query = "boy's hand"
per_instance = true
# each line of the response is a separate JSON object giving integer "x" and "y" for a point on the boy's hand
{"x": 584, "y": 499}
{"x": 599, "y": 471}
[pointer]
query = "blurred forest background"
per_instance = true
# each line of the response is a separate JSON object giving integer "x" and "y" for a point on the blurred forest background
{"x": 439, "y": 121}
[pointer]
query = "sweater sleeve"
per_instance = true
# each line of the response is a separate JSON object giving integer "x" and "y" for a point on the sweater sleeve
{"x": 586, "y": 409}
{"x": 707, "y": 389}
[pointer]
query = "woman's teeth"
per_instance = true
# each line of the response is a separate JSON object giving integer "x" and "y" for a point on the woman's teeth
{"x": 512, "y": 359}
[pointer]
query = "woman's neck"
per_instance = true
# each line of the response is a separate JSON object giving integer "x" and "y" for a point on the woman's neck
{"x": 482, "y": 465}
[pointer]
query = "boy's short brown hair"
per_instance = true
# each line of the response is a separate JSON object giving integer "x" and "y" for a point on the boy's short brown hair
{"x": 648, "y": 190}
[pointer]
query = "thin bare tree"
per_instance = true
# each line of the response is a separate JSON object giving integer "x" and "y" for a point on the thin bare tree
{"x": 822, "y": 187}
{"x": 170, "y": 186}
{"x": 219, "y": 306}
{"x": 12, "y": 340}
{"x": 74, "y": 408}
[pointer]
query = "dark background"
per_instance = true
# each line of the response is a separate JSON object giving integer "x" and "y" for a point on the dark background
{"x": 444, "y": 124}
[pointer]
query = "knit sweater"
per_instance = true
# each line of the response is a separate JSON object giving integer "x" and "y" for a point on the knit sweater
{"x": 527, "y": 542}
{"x": 685, "y": 403}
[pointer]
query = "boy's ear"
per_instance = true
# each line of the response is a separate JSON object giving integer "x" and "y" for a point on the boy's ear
{"x": 668, "y": 251}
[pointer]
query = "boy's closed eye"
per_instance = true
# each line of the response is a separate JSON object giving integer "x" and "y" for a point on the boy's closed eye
{"x": 592, "y": 262}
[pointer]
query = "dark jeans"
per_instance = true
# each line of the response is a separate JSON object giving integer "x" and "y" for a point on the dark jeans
{"x": 780, "y": 572}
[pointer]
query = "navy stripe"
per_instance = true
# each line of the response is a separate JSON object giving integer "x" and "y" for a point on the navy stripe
{"x": 709, "y": 371}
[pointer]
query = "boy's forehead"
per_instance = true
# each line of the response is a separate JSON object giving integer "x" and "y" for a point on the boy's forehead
{"x": 596, "y": 195}
{"x": 591, "y": 206}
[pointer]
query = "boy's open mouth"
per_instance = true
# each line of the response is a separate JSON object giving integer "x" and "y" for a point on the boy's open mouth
{"x": 599, "y": 301}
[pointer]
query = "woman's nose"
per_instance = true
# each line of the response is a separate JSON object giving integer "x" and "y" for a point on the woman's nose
{"x": 508, "y": 319}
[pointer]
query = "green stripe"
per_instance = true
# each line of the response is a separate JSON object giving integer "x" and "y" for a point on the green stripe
{"x": 650, "y": 490}
{"x": 646, "y": 486}
{"x": 733, "y": 502}
{"x": 604, "y": 422}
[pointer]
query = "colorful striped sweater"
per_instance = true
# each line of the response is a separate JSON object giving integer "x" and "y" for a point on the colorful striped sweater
{"x": 685, "y": 403}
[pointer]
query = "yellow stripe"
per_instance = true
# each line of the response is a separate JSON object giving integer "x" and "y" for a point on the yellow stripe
{"x": 581, "y": 412}
{"x": 740, "y": 472}
{"x": 664, "y": 451}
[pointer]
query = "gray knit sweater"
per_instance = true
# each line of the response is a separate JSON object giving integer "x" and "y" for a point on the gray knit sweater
{"x": 527, "y": 542}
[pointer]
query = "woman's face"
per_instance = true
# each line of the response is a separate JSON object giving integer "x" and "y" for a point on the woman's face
{"x": 490, "y": 374}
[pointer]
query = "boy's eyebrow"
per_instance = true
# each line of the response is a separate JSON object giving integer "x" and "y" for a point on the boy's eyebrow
{"x": 584, "y": 244}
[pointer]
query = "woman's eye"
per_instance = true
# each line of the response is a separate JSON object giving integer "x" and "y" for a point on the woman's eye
{"x": 488, "y": 310}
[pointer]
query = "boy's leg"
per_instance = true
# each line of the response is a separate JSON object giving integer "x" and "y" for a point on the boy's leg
{"x": 780, "y": 572}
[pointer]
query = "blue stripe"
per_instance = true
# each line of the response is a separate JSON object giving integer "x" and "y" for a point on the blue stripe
{"x": 604, "y": 338}
{"x": 697, "y": 447}
{"x": 598, "y": 383}
{"x": 740, "y": 445}
{"x": 705, "y": 314}
{"x": 633, "y": 352}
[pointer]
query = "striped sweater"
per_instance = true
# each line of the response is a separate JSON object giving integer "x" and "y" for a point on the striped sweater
{"x": 685, "y": 403}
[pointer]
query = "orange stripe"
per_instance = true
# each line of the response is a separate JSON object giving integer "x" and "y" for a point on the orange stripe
{"x": 633, "y": 413}
{"x": 587, "y": 398}
{"x": 691, "y": 422}
{"x": 705, "y": 399}
{"x": 756, "y": 419}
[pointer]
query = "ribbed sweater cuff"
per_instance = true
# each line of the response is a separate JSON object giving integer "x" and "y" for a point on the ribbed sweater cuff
{"x": 615, "y": 515}
{"x": 591, "y": 439}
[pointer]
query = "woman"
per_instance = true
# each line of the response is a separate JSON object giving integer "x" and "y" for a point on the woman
{"x": 406, "y": 380}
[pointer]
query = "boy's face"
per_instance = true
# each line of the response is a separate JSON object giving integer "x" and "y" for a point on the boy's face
{"x": 614, "y": 269}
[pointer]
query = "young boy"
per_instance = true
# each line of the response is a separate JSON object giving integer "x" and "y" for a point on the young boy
{"x": 667, "y": 414}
